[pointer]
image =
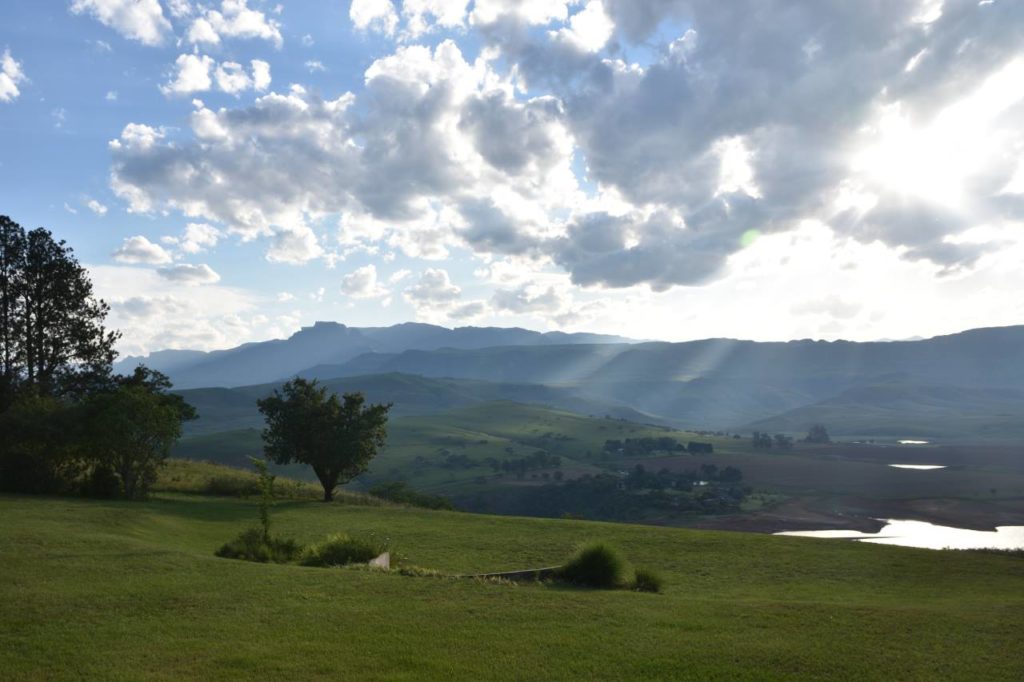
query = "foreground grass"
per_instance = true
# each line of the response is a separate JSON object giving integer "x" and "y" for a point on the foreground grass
{"x": 112, "y": 590}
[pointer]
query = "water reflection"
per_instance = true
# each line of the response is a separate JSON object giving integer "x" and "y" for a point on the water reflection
{"x": 927, "y": 536}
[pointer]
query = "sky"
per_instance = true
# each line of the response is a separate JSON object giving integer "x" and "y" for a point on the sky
{"x": 230, "y": 171}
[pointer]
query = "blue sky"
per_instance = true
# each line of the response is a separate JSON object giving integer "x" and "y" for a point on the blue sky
{"x": 673, "y": 169}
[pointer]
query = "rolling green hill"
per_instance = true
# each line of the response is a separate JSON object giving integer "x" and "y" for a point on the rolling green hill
{"x": 114, "y": 590}
{"x": 227, "y": 409}
{"x": 950, "y": 414}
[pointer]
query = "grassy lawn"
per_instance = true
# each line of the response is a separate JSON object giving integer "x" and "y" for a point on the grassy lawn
{"x": 112, "y": 590}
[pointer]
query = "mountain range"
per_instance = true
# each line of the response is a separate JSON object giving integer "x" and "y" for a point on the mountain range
{"x": 963, "y": 386}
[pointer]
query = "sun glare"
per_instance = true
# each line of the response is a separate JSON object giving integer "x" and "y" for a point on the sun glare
{"x": 933, "y": 162}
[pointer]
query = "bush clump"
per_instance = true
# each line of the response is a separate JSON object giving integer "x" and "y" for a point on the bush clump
{"x": 341, "y": 549}
{"x": 646, "y": 580}
{"x": 596, "y": 565}
{"x": 253, "y": 545}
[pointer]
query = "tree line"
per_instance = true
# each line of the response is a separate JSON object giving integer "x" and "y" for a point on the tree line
{"x": 71, "y": 425}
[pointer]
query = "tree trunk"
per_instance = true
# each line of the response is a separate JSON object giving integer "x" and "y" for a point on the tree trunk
{"x": 328, "y": 493}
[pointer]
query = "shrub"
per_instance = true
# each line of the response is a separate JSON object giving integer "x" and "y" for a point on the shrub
{"x": 340, "y": 549}
{"x": 596, "y": 565}
{"x": 646, "y": 580}
{"x": 252, "y": 545}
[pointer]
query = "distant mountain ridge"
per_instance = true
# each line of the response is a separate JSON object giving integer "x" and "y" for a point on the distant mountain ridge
{"x": 327, "y": 343}
{"x": 962, "y": 386}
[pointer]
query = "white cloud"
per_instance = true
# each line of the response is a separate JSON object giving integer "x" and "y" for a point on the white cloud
{"x": 284, "y": 297}
{"x": 537, "y": 12}
{"x": 96, "y": 207}
{"x": 70, "y": 209}
{"x": 295, "y": 245}
{"x": 138, "y": 249}
{"x": 11, "y": 75}
{"x": 232, "y": 78}
{"x": 314, "y": 65}
{"x": 260, "y": 75}
{"x": 434, "y": 290}
{"x": 374, "y": 15}
{"x": 141, "y": 20}
{"x": 189, "y": 274}
{"x": 236, "y": 19}
{"x": 193, "y": 75}
{"x": 155, "y": 313}
{"x": 111, "y": 96}
{"x": 201, "y": 31}
{"x": 307, "y": 41}
{"x": 362, "y": 283}
{"x": 589, "y": 29}
{"x": 398, "y": 275}
{"x": 196, "y": 238}
{"x": 421, "y": 16}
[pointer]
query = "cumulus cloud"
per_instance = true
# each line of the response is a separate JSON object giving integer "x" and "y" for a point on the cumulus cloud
{"x": 11, "y": 75}
{"x": 196, "y": 238}
{"x": 398, "y": 168}
{"x": 529, "y": 299}
{"x": 157, "y": 313}
{"x": 234, "y": 19}
{"x": 433, "y": 290}
{"x": 96, "y": 207}
{"x": 554, "y": 146}
{"x": 141, "y": 20}
{"x": 138, "y": 249}
{"x": 192, "y": 74}
{"x": 189, "y": 274}
{"x": 374, "y": 15}
{"x": 362, "y": 283}
{"x": 422, "y": 16}
{"x": 295, "y": 244}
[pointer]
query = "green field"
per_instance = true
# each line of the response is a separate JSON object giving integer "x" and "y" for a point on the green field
{"x": 116, "y": 590}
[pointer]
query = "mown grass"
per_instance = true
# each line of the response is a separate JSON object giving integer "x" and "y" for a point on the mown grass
{"x": 114, "y": 590}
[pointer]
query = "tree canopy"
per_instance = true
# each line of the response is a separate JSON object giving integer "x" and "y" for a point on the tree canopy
{"x": 52, "y": 339}
{"x": 337, "y": 438}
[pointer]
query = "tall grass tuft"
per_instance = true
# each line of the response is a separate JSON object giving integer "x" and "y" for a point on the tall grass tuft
{"x": 254, "y": 545}
{"x": 341, "y": 549}
{"x": 596, "y": 565}
{"x": 646, "y": 580}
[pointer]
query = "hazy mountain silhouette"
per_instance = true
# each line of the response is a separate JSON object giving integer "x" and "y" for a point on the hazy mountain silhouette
{"x": 328, "y": 343}
{"x": 855, "y": 388}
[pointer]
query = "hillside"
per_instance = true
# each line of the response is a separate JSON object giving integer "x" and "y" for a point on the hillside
{"x": 949, "y": 414}
{"x": 223, "y": 409}
{"x": 116, "y": 590}
{"x": 460, "y": 453}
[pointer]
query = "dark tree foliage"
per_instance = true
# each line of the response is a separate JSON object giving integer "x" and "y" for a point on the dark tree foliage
{"x": 337, "y": 438}
{"x": 53, "y": 341}
{"x": 817, "y": 434}
{"x": 132, "y": 426}
{"x": 39, "y": 450}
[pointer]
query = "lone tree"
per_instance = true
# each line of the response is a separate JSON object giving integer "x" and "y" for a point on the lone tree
{"x": 817, "y": 434}
{"x": 338, "y": 438}
{"x": 52, "y": 339}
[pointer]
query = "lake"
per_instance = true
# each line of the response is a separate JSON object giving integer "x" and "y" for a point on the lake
{"x": 927, "y": 536}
